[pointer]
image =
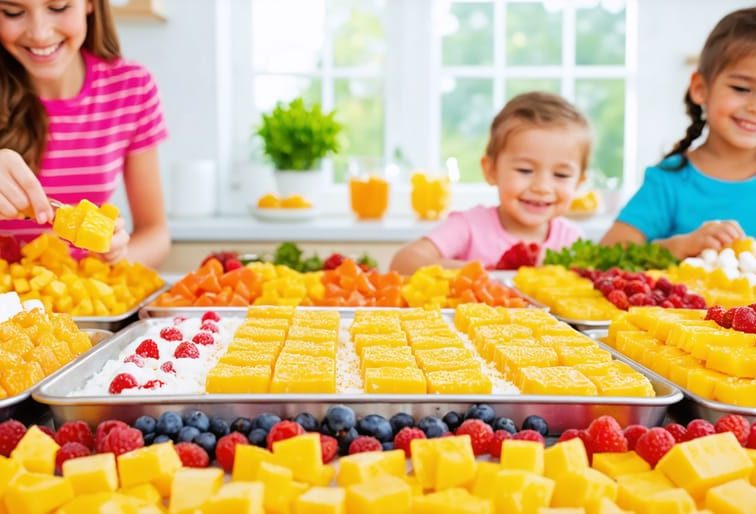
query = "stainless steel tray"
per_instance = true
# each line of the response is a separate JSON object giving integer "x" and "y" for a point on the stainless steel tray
{"x": 152, "y": 311}
{"x": 23, "y": 407}
{"x": 692, "y": 406}
{"x": 580, "y": 324}
{"x": 117, "y": 322}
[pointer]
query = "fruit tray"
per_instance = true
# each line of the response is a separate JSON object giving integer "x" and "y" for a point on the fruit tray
{"x": 692, "y": 406}
{"x": 22, "y": 406}
{"x": 119, "y": 321}
{"x": 562, "y": 411}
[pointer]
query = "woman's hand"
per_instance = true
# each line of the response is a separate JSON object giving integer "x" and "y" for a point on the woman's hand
{"x": 712, "y": 234}
{"x": 119, "y": 245}
{"x": 21, "y": 194}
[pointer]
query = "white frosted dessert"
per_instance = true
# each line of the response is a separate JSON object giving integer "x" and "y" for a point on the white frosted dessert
{"x": 171, "y": 358}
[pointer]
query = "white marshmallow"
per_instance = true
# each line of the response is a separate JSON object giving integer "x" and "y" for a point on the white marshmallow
{"x": 709, "y": 256}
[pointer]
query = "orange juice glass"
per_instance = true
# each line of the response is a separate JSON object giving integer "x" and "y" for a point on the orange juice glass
{"x": 368, "y": 189}
{"x": 431, "y": 194}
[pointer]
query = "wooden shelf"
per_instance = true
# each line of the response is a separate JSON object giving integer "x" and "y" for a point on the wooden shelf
{"x": 149, "y": 10}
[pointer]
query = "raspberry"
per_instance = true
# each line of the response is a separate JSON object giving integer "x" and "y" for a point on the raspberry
{"x": 636, "y": 286}
{"x": 101, "y": 434}
{"x": 498, "y": 437}
{"x": 365, "y": 443}
{"x": 123, "y": 440}
{"x": 203, "y": 338}
{"x": 47, "y": 430}
{"x": 167, "y": 367}
{"x": 744, "y": 320}
{"x": 664, "y": 285}
{"x": 716, "y": 314}
{"x": 226, "y": 448}
{"x": 570, "y": 433}
{"x": 179, "y": 320}
{"x": 694, "y": 301}
{"x": 735, "y": 424}
{"x": 186, "y": 350}
{"x": 529, "y": 435}
{"x": 153, "y": 384}
{"x": 192, "y": 455}
{"x": 75, "y": 432}
{"x": 209, "y": 326}
{"x": 480, "y": 434}
{"x": 752, "y": 438}
{"x": 699, "y": 428}
{"x": 122, "y": 381}
{"x": 603, "y": 424}
{"x": 679, "y": 290}
{"x": 619, "y": 283}
{"x": 675, "y": 300}
{"x": 608, "y": 441}
{"x": 638, "y": 299}
{"x": 329, "y": 448}
{"x": 727, "y": 318}
{"x": 210, "y": 316}
{"x": 633, "y": 433}
{"x": 677, "y": 431}
{"x": 605, "y": 286}
{"x": 148, "y": 349}
{"x": 403, "y": 438}
{"x": 283, "y": 430}
{"x": 619, "y": 299}
{"x": 654, "y": 444}
{"x": 70, "y": 450}
{"x": 171, "y": 334}
{"x": 11, "y": 432}
{"x": 135, "y": 359}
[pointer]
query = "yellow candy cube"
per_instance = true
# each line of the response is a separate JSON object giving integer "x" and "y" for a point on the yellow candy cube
{"x": 459, "y": 381}
{"x": 92, "y": 474}
{"x": 395, "y": 381}
{"x": 95, "y": 232}
{"x": 229, "y": 379}
{"x": 36, "y": 452}
{"x": 382, "y": 356}
{"x": 559, "y": 380}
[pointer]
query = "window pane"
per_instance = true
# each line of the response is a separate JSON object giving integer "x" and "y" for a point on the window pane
{"x": 359, "y": 107}
{"x": 293, "y": 46}
{"x": 465, "y": 118}
{"x": 468, "y": 35}
{"x": 359, "y": 37}
{"x": 270, "y": 89}
{"x": 534, "y": 34}
{"x": 604, "y": 102}
{"x": 600, "y": 37}
{"x": 518, "y": 86}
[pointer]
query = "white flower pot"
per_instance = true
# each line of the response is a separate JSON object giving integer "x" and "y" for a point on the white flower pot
{"x": 306, "y": 183}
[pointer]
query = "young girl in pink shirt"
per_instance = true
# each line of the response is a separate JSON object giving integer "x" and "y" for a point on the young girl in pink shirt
{"x": 536, "y": 156}
{"x": 75, "y": 120}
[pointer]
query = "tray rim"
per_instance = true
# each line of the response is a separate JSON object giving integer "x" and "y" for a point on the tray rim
{"x": 709, "y": 404}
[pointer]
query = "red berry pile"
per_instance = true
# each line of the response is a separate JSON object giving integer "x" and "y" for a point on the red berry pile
{"x": 520, "y": 254}
{"x": 738, "y": 318}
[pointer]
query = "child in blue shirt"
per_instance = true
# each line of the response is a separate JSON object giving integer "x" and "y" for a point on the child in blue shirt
{"x": 705, "y": 197}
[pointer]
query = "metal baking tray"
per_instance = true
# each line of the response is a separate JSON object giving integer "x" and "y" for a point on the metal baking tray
{"x": 692, "y": 406}
{"x": 23, "y": 407}
{"x": 561, "y": 412}
{"x": 152, "y": 311}
{"x": 580, "y": 324}
{"x": 117, "y": 322}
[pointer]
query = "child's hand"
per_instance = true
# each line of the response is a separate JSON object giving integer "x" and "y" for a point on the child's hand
{"x": 712, "y": 234}
{"x": 119, "y": 245}
{"x": 21, "y": 194}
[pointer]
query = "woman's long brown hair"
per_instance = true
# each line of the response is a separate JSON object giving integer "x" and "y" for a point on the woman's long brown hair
{"x": 23, "y": 120}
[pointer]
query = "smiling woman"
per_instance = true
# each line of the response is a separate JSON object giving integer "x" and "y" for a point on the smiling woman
{"x": 74, "y": 118}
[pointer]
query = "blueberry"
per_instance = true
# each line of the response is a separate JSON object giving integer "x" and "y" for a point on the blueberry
{"x": 218, "y": 427}
{"x": 187, "y": 434}
{"x": 161, "y": 438}
{"x": 387, "y": 447}
{"x": 308, "y": 421}
{"x": 376, "y": 426}
{"x": 326, "y": 430}
{"x": 242, "y": 425}
{"x": 145, "y": 424}
{"x": 536, "y": 423}
{"x": 258, "y": 437}
{"x": 504, "y": 424}
{"x": 148, "y": 438}
{"x": 453, "y": 420}
{"x": 401, "y": 420}
{"x": 432, "y": 427}
{"x": 198, "y": 420}
{"x": 340, "y": 418}
{"x": 207, "y": 441}
{"x": 482, "y": 412}
{"x": 265, "y": 421}
{"x": 169, "y": 424}
{"x": 345, "y": 438}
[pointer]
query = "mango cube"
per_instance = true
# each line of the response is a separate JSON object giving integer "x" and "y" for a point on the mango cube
{"x": 676, "y": 501}
{"x": 362, "y": 467}
{"x": 451, "y": 500}
{"x": 236, "y": 497}
{"x": 278, "y": 486}
{"x": 9, "y": 468}
{"x": 735, "y": 497}
{"x": 247, "y": 460}
{"x": 302, "y": 455}
{"x": 36, "y": 451}
{"x": 565, "y": 457}
{"x": 635, "y": 488}
{"x": 583, "y": 487}
{"x": 443, "y": 463}
{"x": 191, "y": 487}
{"x": 155, "y": 464}
{"x": 37, "y": 493}
{"x": 521, "y": 492}
{"x": 522, "y": 455}
{"x": 378, "y": 496}
{"x": 92, "y": 474}
{"x": 615, "y": 465}
{"x": 321, "y": 500}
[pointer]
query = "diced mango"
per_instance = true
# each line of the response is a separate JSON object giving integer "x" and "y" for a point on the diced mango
{"x": 36, "y": 452}
{"x": 380, "y": 495}
{"x": 37, "y": 493}
{"x": 192, "y": 487}
{"x": 236, "y": 497}
{"x": 92, "y": 474}
{"x": 522, "y": 455}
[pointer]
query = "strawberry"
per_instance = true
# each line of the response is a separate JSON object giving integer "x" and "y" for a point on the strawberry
{"x": 699, "y": 428}
{"x": 603, "y": 424}
{"x": 735, "y": 424}
{"x": 752, "y": 438}
{"x": 167, "y": 367}
{"x": 744, "y": 320}
{"x": 727, "y": 318}
{"x": 122, "y": 381}
{"x": 333, "y": 261}
{"x": 148, "y": 349}
{"x": 480, "y": 434}
{"x": 633, "y": 433}
{"x": 171, "y": 334}
{"x": 496, "y": 441}
{"x": 607, "y": 436}
{"x": 716, "y": 314}
{"x": 232, "y": 264}
{"x": 135, "y": 359}
{"x": 70, "y": 450}
{"x": 186, "y": 350}
{"x": 678, "y": 431}
{"x": 619, "y": 299}
{"x": 329, "y": 448}
{"x": 403, "y": 438}
{"x": 11, "y": 432}
{"x": 283, "y": 430}
{"x": 210, "y": 316}
{"x": 654, "y": 444}
{"x": 226, "y": 449}
{"x": 365, "y": 443}
{"x": 529, "y": 435}
{"x": 10, "y": 250}
{"x": 204, "y": 338}
{"x": 123, "y": 440}
{"x": 520, "y": 254}
{"x": 75, "y": 432}
{"x": 153, "y": 384}
{"x": 192, "y": 455}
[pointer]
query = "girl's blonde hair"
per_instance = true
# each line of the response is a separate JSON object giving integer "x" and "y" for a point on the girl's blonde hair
{"x": 537, "y": 109}
{"x": 23, "y": 120}
{"x": 732, "y": 39}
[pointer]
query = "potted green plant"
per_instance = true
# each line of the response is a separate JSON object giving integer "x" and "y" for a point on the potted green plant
{"x": 295, "y": 139}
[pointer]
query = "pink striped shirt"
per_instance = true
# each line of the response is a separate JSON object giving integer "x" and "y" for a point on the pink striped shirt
{"x": 477, "y": 235}
{"x": 117, "y": 112}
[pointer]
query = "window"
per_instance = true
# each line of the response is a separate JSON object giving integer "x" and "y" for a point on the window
{"x": 419, "y": 81}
